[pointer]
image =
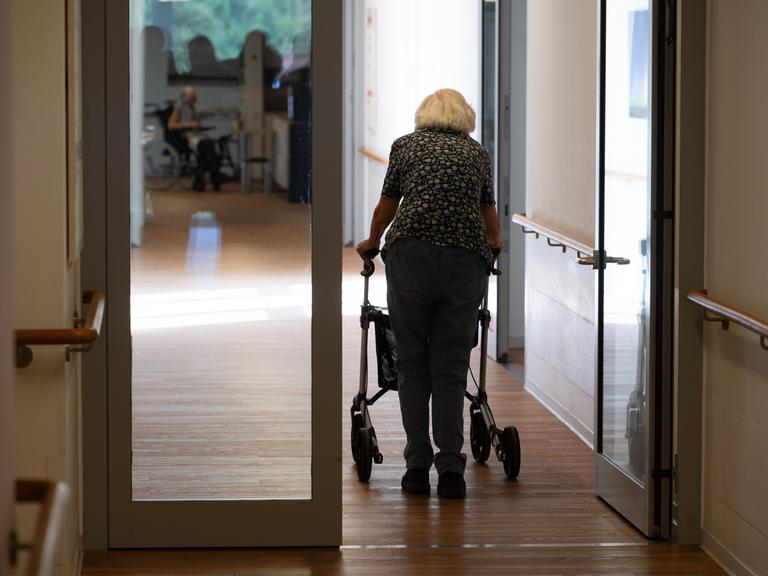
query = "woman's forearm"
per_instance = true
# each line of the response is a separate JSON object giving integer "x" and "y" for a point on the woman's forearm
{"x": 383, "y": 215}
{"x": 491, "y": 218}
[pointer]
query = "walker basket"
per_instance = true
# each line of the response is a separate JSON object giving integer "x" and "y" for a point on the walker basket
{"x": 386, "y": 352}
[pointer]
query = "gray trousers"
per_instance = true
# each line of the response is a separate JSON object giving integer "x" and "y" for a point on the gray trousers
{"x": 433, "y": 294}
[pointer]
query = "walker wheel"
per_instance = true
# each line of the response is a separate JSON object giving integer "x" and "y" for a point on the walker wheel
{"x": 479, "y": 437}
{"x": 357, "y": 423}
{"x": 364, "y": 455}
{"x": 510, "y": 440}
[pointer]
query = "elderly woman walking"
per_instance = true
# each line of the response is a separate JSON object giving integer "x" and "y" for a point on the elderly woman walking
{"x": 437, "y": 254}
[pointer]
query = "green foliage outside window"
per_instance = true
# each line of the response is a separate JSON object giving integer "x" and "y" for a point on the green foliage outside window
{"x": 227, "y": 22}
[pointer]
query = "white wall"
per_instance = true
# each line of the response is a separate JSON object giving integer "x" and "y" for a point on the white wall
{"x": 560, "y": 172}
{"x": 735, "y": 491}
{"x": 45, "y": 287}
{"x": 420, "y": 47}
{"x": 6, "y": 382}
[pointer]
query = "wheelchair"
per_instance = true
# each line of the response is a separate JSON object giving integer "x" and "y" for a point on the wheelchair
{"x": 168, "y": 159}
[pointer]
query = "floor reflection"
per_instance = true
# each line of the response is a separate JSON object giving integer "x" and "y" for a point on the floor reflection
{"x": 204, "y": 244}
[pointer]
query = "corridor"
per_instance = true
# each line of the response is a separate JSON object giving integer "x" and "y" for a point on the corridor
{"x": 549, "y": 520}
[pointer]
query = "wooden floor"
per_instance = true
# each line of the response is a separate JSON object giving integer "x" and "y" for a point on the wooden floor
{"x": 220, "y": 290}
{"x": 546, "y": 522}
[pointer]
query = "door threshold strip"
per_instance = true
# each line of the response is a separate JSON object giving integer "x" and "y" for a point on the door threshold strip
{"x": 485, "y": 546}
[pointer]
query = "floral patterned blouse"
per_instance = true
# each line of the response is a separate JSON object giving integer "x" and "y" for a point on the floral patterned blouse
{"x": 443, "y": 178}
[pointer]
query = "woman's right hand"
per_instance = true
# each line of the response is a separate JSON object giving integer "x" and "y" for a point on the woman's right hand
{"x": 366, "y": 247}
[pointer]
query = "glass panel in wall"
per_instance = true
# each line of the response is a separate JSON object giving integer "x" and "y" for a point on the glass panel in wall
{"x": 220, "y": 261}
{"x": 627, "y": 200}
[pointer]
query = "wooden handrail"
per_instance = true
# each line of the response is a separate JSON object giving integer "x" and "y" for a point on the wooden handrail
{"x": 554, "y": 238}
{"x": 725, "y": 314}
{"x": 82, "y": 337}
{"x": 53, "y": 498}
{"x": 373, "y": 156}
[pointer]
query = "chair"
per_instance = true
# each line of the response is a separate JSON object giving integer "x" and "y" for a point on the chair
{"x": 246, "y": 160}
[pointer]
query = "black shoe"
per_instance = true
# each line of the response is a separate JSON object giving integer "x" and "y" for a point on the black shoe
{"x": 451, "y": 485}
{"x": 416, "y": 481}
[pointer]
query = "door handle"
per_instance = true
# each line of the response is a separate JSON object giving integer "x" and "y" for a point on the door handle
{"x": 600, "y": 260}
{"x": 617, "y": 260}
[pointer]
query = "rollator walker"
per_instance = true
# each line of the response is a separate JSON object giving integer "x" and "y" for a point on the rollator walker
{"x": 483, "y": 432}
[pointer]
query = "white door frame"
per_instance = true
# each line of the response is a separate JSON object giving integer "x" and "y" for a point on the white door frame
{"x": 111, "y": 518}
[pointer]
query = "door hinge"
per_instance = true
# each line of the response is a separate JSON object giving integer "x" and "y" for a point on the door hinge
{"x": 507, "y": 117}
{"x": 666, "y": 473}
{"x": 670, "y": 473}
{"x": 14, "y": 547}
{"x": 674, "y": 476}
{"x": 12, "y": 550}
{"x": 670, "y": 22}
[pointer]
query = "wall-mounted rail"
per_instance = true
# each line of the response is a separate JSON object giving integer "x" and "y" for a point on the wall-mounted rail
{"x": 77, "y": 339}
{"x": 587, "y": 255}
{"x": 554, "y": 238}
{"x": 715, "y": 311}
{"x": 373, "y": 156}
{"x": 53, "y": 498}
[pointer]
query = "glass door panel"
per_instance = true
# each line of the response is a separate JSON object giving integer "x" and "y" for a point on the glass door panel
{"x": 221, "y": 288}
{"x": 627, "y": 200}
{"x": 633, "y": 473}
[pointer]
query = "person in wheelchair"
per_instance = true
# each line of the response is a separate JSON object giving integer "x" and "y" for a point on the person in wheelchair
{"x": 184, "y": 132}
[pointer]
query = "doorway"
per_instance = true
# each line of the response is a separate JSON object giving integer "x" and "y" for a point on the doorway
{"x": 224, "y": 312}
{"x": 204, "y": 232}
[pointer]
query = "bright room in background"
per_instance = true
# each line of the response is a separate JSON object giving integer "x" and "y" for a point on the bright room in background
{"x": 405, "y": 50}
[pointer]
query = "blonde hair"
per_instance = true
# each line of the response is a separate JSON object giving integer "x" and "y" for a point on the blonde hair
{"x": 446, "y": 108}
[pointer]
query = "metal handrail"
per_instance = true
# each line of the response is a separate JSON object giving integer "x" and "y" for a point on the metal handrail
{"x": 725, "y": 314}
{"x": 77, "y": 339}
{"x": 554, "y": 238}
{"x": 373, "y": 156}
{"x": 53, "y": 498}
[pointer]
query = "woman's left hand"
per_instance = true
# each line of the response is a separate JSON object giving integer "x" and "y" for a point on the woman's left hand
{"x": 496, "y": 248}
{"x": 365, "y": 247}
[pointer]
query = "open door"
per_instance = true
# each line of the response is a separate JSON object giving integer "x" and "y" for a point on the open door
{"x": 633, "y": 447}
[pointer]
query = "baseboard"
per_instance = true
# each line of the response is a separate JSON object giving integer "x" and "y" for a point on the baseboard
{"x": 560, "y": 412}
{"x": 723, "y": 556}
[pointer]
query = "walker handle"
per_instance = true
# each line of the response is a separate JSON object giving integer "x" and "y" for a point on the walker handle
{"x": 368, "y": 267}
